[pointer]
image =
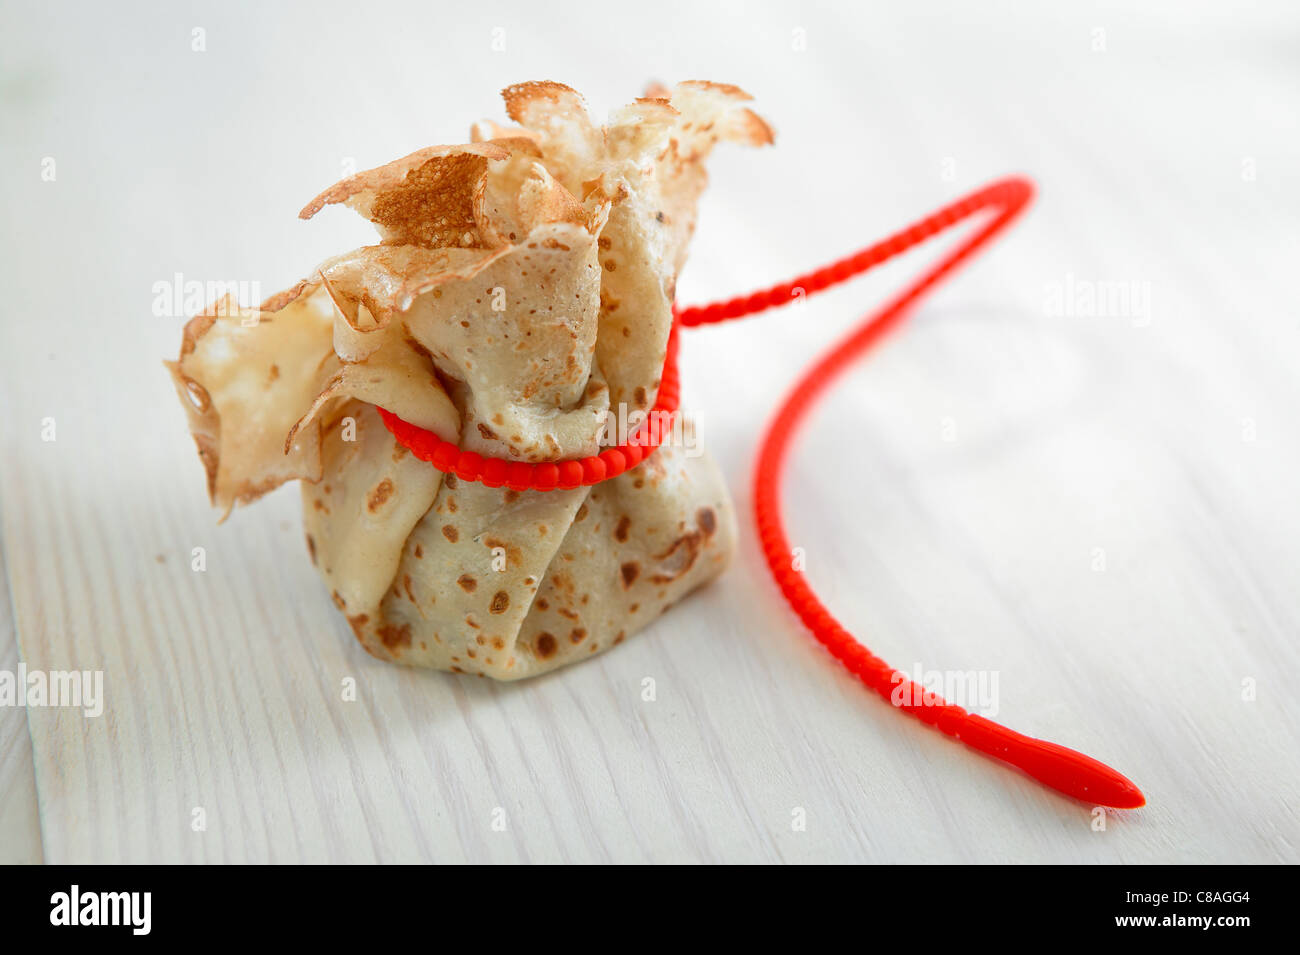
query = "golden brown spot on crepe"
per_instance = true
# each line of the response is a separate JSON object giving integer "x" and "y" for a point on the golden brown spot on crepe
{"x": 610, "y": 265}
{"x": 500, "y": 602}
{"x": 577, "y": 635}
{"x": 450, "y": 480}
{"x": 582, "y": 513}
{"x": 629, "y": 572}
{"x": 358, "y": 623}
{"x": 451, "y": 504}
{"x": 481, "y": 641}
{"x": 498, "y": 643}
{"x": 419, "y": 552}
{"x": 705, "y": 518}
{"x": 566, "y": 612}
{"x": 639, "y": 395}
{"x": 393, "y": 637}
{"x": 457, "y": 670}
{"x": 511, "y": 495}
{"x": 379, "y": 494}
{"x": 634, "y": 608}
{"x": 399, "y": 452}
{"x": 620, "y": 531}
{"x": 449, "y": 531}
{"x": 338, "y": 600}
{"x": 545, "y": 645}
{"x": 513, "y": 553}
{"x": 406, "y": 585}
{"x": 486, "y": 431}
{"x": 467, "y": 583}
{"x": 543, "y": 603}
{"x": 434, "y": 206}
{"x": 273, "y": 374}
{"x": 311, "y": 549}
{"x": 319, "y": 505}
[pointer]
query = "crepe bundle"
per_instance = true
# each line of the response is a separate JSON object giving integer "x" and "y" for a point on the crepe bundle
{"x": 519, "y": 300}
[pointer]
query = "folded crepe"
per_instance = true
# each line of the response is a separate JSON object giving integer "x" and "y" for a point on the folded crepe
{"x": 520, "y": 298}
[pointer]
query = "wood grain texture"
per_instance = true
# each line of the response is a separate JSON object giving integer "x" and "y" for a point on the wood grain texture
{"x": 1098, "y": 509}
{"x": 20, "y": 822}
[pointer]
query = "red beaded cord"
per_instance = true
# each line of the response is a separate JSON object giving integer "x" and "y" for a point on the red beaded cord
{"x": 1063, "y": 769}
{"x": 446, "y": 456}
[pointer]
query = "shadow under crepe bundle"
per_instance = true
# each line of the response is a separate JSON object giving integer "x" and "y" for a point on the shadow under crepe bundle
{"x": 522, "y": 289}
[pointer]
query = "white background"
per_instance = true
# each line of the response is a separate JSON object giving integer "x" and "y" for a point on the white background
{"x": 1100, "y": 509}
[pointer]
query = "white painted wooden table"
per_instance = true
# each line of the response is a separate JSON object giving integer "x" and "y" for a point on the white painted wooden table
{"x": 1100, "y": 509}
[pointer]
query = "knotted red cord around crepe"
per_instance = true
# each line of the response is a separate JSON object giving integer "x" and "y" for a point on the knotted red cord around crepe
{"x": 1063, "y": 769}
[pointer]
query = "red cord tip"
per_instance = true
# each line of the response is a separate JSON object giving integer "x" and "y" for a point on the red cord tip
{"x": 1065, "y": 770}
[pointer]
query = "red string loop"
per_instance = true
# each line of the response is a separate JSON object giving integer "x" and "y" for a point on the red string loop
{"x": 448, "y": 457}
